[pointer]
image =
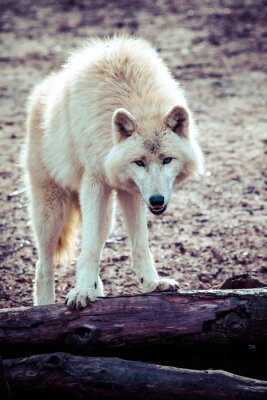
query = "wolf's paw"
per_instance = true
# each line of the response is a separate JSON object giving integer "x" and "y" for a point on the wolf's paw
{"x": 80, "y": 298}
{"x": 167, "y": 285}
{"x": 160, "y": 284}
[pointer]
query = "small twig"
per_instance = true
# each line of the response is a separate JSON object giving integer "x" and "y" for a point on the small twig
{"x": 15, "y": 193}
{"x": 116, "y": 239}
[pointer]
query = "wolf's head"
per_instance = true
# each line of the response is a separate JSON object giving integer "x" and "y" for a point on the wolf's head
{"x": 150, "y": 157}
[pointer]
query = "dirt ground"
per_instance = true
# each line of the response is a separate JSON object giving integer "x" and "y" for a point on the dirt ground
{"x": 214, "y": 228}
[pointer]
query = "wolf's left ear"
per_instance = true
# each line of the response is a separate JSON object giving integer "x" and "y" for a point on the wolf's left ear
{"x": 123, "y": 124}
{"x": 177, "y": 119}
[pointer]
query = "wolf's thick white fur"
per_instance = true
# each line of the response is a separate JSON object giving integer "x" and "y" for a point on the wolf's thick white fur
{"x": 112, "y": 104}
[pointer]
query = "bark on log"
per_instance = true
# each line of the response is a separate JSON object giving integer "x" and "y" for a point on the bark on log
{"x": 78, "y": 377}
{"x": 215, "y": 317}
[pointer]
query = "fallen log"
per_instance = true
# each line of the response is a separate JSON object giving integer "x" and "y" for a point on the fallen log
{"x": 78, "y": 377}
{"x": 215, "y": 317}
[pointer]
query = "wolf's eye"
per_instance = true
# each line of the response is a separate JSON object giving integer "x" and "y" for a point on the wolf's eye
{"x": 140, "y": 163}
{"x": 167, "y": 160}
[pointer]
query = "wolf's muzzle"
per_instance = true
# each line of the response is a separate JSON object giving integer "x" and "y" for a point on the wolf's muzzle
{"x": 157, "y": 210}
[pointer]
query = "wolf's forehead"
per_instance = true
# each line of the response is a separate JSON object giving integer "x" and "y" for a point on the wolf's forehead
{"x": 153, "y": 146}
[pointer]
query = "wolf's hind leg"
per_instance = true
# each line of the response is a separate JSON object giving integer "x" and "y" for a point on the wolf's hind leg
{"x": 50, "y": 210}
{"x": 135, "y": 214}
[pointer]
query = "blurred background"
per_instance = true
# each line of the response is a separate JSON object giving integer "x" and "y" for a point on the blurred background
{"x": 214, "y": 228}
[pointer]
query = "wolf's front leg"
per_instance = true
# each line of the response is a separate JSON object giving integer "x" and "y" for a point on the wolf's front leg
{"x": 135, "y": 214}
{"x": 94, "y": 198}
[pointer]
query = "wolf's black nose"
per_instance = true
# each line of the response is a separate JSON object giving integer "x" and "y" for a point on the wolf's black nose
{"x": 156, "y": 200}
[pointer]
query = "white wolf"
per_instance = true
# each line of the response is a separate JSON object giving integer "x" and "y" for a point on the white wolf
{"x": 113, "y": 118}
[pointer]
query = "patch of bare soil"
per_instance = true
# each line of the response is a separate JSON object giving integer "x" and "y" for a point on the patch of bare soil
{"x": 213, "y": 228}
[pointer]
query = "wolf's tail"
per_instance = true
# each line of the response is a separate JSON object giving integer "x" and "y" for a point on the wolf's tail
{"x": 67, "y": 241}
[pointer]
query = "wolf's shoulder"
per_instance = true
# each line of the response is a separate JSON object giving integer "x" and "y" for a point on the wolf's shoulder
{"x": 112, "y": 47}
{"x": 114, "y": 55}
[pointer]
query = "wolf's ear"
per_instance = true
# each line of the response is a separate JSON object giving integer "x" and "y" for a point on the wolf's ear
{"x": 177, "y": 119}
{"x": 123, "y": 124}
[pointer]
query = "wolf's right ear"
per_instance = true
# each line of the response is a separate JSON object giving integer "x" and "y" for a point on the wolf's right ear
{"x": 123, "y": 124}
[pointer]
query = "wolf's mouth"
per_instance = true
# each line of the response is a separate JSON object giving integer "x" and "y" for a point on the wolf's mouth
{"x": 157, "y": 210}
